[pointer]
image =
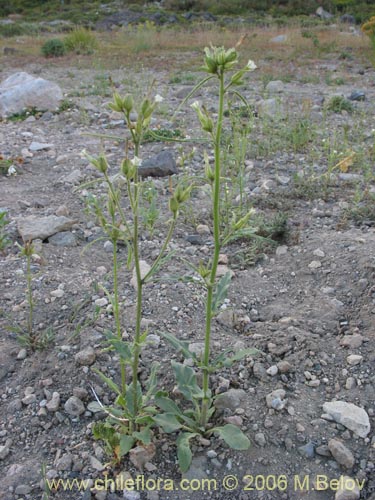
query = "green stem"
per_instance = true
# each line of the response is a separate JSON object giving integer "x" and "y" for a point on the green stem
{"x": 139, "y": 281}
{"x": 215, "y": 260}
{"x": 116, "y": 312}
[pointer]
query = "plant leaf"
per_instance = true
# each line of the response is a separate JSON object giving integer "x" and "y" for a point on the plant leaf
{"x": 251, "y": 351}
{"x": 152, "y": 381}
{"x": 233, "y": 436}
{"x": 180, "y": 345}
{"x": 167, "y": 405}
{"x": 126, "y": 444}
{"x": 144, "y": 435}
{"x": 168, "y": 422}
{"x": 109, "y": 382}
{"x": 221, "y": 291}
{"x": 187, "y": 381}
{"x": 184, "y": 453}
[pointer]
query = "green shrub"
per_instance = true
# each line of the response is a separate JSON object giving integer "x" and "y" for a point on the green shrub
{"x": 53, "y": 48}
{"x": 81, "y": 41}
{"x": 11, "y": 29}
{"x": 338, "y": 103}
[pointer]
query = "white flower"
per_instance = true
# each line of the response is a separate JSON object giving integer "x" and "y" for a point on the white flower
{"x": 12, "y": 170}
{"x": 196, "y": 105}
{"x": 137, "y": 162}
{"x": 158, "y": 98}
{"x": 250, "y": 66}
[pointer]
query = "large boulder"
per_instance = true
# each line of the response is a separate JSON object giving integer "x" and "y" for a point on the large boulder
{"x": 22, "y": 91}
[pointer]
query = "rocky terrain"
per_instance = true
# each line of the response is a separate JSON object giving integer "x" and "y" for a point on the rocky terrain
{"x": 306, "y": 300}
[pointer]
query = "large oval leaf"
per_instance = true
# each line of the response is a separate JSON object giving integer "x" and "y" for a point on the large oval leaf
{"x": 233, "y": 436}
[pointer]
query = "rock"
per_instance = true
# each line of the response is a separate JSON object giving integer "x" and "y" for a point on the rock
{"x": 349, "y": 415}
{"x": 58, "y": 293}
{"x": 101, "y": 302}
{"x": 22, "y": 489}
{"x": 142, "y": 454}
{"x": 33, "y": 228}
{"x": 284, "y": 366}
{"x": 65, "y": 462}
{"x": 74, "y": 407}
{"x": 74, "y": 177}
{"x": 40, "y": 146}
{"x": 54, "y": 403}
{"x": 63, "y": 239}
{"x": 231, "y": 399}
{"x": 315, "y": 264}
{"x": 4, "y": 452}
{"x": 29, "y": 399}
{"x": 350, "y": 383}
{"x": 307, "y": 450}
{"x": 22, "y": 91}
{"x": 260, "y": 439}
{"x": 353, "y": 341}
{"x": 323, "y": 450}
{"x": 272, "y": 370}
{"x": 275, "y": 87}
{"x": 347, "y": 18}
{"x": 197, "y": 469}
{"x": 281, "y": 250}
{"x": 234, "y": 420}
{"x": 144, "y": 268}
{"x": 197, "y": 348}
{"x": 279, "y": 39}
{"x": 340, "y": 453}
{"x": 259, "y": 371}
{"x": 354, "y": 359}
{"x": 161, "y": 165}
{"x": 86, "y": 357}
{"x": 131, "y": 495}
{"x": 271, "y": 108}
{"x": 22, "y": 354}
{"x": 203, "y": 229}
{"x": 348, "y": 489}
{"x": 357, "y": 95}
{"x": 95, "y": 464}
{"x": 194, "y": 239}
{"x": 275, "y": 399}
{"x": 108, "y": 246}
{"x": 323, "y": 14}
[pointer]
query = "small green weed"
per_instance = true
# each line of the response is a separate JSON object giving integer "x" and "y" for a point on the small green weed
{"x": 162, "y": 134}
{"x": 338, "y": 103}
{"x": 53, "y": 48}
{"x": 4, "y": 240}
{"x": 81, "y": 41}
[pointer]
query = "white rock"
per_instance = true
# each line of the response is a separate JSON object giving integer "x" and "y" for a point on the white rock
{"x": 315, "y": 264}
{"x": 144, "y": 268}
{"x": 348, "y": 489}
{"x": 103, "y": 301}
{"x": 32, "y": 228}
{"x": 318, "y": 253}
{"x": 40, "y": 146}
{"x": 57, "y": 293}
{"x": 275, "y": 86}
{"x": 54, "y": 403}
{"x": 4, "y": 452}
{"x": 349, "y": 415}
{"x": 272, "y": 370}
{"x": 21, "y": 91}
{"x": 354, "y": 359}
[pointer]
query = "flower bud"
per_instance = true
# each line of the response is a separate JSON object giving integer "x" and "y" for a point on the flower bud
{"x": 128, "y": 103}
{"x": 173, "y": 205}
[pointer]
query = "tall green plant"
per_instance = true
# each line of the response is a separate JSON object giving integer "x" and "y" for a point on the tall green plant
{"x": 196, "y": 421}
{"x": 131, "y": 417}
